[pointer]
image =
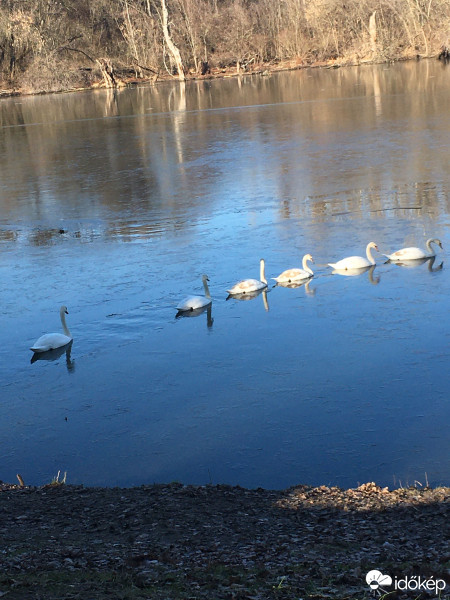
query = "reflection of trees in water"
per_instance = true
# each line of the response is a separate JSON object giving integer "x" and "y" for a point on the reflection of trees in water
{"x": 415, "y": 200}
{"x": 162, "y": 149}
{"x": 44, "y": 237}
{"x": 8, "y": 235}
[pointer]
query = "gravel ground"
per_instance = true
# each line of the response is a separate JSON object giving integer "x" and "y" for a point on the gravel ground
{"x": 172, "y": 541}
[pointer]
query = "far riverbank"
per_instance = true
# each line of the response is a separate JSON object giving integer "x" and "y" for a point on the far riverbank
{"x": 124, "y": 80}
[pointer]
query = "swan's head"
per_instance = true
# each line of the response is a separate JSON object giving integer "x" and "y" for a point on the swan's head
{"x": 63, "y": 310}
{"x": 309, "y": 257}
{"x": 205, "y": 278}
{"x": 372, "y": 245}
{"x": 435, "y": 241}
{"x": 261, "y": 262}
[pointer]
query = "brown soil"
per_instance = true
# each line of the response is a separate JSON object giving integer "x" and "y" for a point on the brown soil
{"x": 186, "y": 542}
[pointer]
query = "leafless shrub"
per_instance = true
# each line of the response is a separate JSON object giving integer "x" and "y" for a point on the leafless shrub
{"x": 19, "y": 40}
{"x": 52, "y": 74}
{"x": 52, "y": 44}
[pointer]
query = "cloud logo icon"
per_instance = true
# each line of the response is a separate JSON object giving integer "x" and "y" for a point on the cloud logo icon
{"x": 376, "y": 579}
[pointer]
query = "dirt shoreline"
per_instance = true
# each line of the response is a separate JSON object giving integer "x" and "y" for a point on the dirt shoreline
{"x": 195, "y": 542}
{"x": 265, "y": 69}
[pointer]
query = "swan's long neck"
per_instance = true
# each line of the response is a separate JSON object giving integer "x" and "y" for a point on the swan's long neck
{"x": 369, "y": 254}
{"x": 205, "y": 285}
{"x": 305, "y": 265}
{"x": 428, "y": 244}
{"x": 64, "y": 324}
{"x": 262, "y": 276}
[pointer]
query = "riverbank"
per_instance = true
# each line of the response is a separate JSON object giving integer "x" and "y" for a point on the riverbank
{"x": 179, "y": 542}
{"x": 124, "y": 80}
{"x": 59, "y": 46}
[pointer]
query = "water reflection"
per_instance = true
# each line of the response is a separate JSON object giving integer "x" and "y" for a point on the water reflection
{"x": 251, "y": 296}
{"x": 153, "y": 185}
{"x": 437, "y": 268}
{"x": 196, "y": 313}
{"x": 170, "y": 140}
{"x": 8, "y": 235}
{"x": 355, "y": 272}
{"x": 52, "y": 355}
{"x": 306, "y": 285}
{"x": 45, "y": 237}
{"x": 430, "y": 260}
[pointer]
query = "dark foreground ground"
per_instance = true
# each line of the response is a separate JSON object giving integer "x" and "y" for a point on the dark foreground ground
{"x": 170, "y": 542}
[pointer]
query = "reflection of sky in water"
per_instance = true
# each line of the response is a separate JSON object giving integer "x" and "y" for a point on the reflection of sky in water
{"x": 345, "y": 384}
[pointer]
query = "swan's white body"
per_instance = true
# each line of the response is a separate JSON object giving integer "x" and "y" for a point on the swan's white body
{"x": 414, "y": 253}
{"x": 250, "y": 285}
{"x": 51, "y": 341}
{"x": 291, "y": 275}
{"x": 357, "y": 272}
{"x": 356, "y": 262}
{"x": 196, "y": 302}
{"x": 54, "y": 354}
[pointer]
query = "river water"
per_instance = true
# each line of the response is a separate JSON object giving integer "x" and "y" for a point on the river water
{"x": 115, "y": 204}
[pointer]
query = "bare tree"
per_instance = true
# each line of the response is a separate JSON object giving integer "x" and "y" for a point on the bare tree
{"x": 174, "y": 51}
{"x": 48, "y": 45}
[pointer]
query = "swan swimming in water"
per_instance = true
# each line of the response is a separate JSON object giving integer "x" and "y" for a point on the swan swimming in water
{"x": 196, "y": 302}
{"x": 356, "y": 262}
{"x": 51, "y": 341}
{"x": 250, "y": 285}
{"x": 358, "y": 272}
{"x": 292, "y": 275}
{"x": 55, "y": 354}
{"x": 412, "y": 264}
{"x": 414, "y": 253}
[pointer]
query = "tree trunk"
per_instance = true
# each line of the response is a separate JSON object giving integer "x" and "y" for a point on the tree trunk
{"x": 108, "y": 73}
{"x": 373, "y": 32}
{"x": 175, "y": 53}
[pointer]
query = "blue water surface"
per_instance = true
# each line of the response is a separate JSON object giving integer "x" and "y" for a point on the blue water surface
{"x": 115, "y": 204}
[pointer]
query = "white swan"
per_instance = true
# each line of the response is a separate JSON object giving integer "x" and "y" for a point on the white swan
{"x": 358, "y": 272}
{"x": 414, "y": 253}
{"x": 51, "y": 341}
{"x": 356, "y": 262}
{"x": 196, "y": 302}
{"x": 291, "y": 275}
{"x": 250, "y": 285}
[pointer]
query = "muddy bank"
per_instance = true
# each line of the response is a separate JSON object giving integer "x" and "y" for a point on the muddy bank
{"x": 265, "y": 70}
{"x": 175, "y": 541}
{"x": 125, "y": 80}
